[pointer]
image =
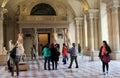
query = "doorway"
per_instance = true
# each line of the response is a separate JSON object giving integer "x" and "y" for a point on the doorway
{"x": 43, "y": 38}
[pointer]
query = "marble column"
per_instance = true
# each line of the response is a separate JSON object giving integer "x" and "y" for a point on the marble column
{"x": 110, "y": 32}
{"x": 77, "y": 21}
{"x": 2, "y": 12}
{"x": 36, "y": 39}
{"x": 114, "y": 30}
{"x": 90, "y": 32}
{"x": 1, "y": 31}
{"x": 96, "y": 36}
{"x": 115, "y": 25}
{"x": 81, "y": 33}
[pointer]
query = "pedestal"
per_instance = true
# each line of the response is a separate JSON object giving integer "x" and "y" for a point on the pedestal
{"x": 22, "y": 67}
{"x": 3, "y": 59}
{"x": 115, "y": 55}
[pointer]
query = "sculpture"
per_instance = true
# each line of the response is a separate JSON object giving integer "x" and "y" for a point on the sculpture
{"x": 4, "y": 51}
{"x": 20, "y": 46}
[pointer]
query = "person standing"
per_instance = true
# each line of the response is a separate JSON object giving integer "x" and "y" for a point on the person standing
{"x": 33, "y": 52}
{"x": 64, "y": 53}
{"x": 73, "y": 55}
{"x": 15, "y": 60}
{"x": 47, "y": 55}
{"x": 105, "y": 50}
{"x": 54, "y": 56}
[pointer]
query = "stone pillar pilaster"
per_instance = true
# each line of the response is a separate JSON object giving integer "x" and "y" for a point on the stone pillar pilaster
{"x": 2, "y": 11}
{"x": 115, "y": 25}
{"x": 1, "y": 31}
{"x": 90, "y": 31}
{"x": 77, "y": 21}
{"x": 113, "y": 28}
{"x": 36, "y": 39}
{"x": 96, "y": 36}
{"x": 81, "y": 33}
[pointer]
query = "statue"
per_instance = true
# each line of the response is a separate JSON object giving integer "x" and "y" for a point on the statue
{"x": 4, "y": 51}
{"x": 20, "y": 46}
{"x": 68, "y": 37}
{"x": 11, "y": 45}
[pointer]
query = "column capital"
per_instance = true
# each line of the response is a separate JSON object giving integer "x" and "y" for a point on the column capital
{"x": 92, "y": 13}
{"x": 2, "y": 12}
{"x": 112, "y": 3}
{"x": 78, "y": 20}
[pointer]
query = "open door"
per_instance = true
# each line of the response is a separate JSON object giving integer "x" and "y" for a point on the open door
{"x": 43, "y": 40}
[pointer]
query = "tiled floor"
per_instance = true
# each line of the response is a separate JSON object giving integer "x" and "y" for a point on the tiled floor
{"x": 87, "y": 69}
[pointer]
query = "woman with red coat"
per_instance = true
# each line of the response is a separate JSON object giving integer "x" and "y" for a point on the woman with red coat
{"x": 105, "y": 50}
{"x": 64, "y": 53}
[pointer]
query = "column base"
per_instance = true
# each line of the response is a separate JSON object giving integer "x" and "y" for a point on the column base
{"x": 93, "y": 55}
{"x": 115, "y": 55}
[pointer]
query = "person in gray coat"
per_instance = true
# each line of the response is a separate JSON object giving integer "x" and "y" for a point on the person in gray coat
{"x": 73, "y": 55}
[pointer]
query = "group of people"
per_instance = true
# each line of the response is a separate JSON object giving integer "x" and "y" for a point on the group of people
{"x": 73, "y": 54}
{"x": 51, "y": 53}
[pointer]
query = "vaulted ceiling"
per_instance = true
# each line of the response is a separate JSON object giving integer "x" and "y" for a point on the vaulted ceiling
{"x": 75, "y": 6}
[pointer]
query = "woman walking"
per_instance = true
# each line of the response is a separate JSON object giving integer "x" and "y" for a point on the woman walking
{"x": 104, "y": 54}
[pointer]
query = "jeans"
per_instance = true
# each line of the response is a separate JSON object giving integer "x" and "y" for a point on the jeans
{"x": 54, "y": 64}
{"x": 16, "y": 63}
{"x": 47, "y": 59}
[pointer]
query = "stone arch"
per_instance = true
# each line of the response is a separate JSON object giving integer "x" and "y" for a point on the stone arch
{"x": 43, "y": 9}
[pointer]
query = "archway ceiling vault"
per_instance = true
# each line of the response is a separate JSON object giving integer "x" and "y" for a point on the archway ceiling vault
{"x": 76, "y": 5}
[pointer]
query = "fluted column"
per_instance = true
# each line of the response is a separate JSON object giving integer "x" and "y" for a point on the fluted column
{"x": 90, "y": 32}
{"x": 114, "y": 27}
{"x": 36, "y": 39}
{"x": 96, "y": 36}
{"x": 77, "y": 21}
{"x": 1, "y": 30}
{"x": 2, "y": 12}
{"x": 81, "y": 33}
{"x": 110, "y": 32}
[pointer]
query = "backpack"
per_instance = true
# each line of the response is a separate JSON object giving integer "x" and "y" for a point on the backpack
{"x": 13, "y": 53}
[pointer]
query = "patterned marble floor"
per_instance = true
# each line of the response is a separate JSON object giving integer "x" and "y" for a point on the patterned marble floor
{"x": 87, "y": 69}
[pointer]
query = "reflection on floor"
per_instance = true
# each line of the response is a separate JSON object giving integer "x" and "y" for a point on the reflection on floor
{"x": 87, "y": 69}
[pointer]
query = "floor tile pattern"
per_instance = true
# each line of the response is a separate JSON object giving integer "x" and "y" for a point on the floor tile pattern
{"x": 87, "y": 69}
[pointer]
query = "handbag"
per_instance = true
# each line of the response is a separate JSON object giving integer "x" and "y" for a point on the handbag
{"x": 106, "y": 59}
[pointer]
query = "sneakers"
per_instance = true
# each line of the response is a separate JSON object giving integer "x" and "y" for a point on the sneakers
{"x": 105, "y": 73}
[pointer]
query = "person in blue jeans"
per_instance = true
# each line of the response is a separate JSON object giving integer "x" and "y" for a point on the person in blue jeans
{"x": 47, "y": 55}
{"x": 73, "y": 55}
